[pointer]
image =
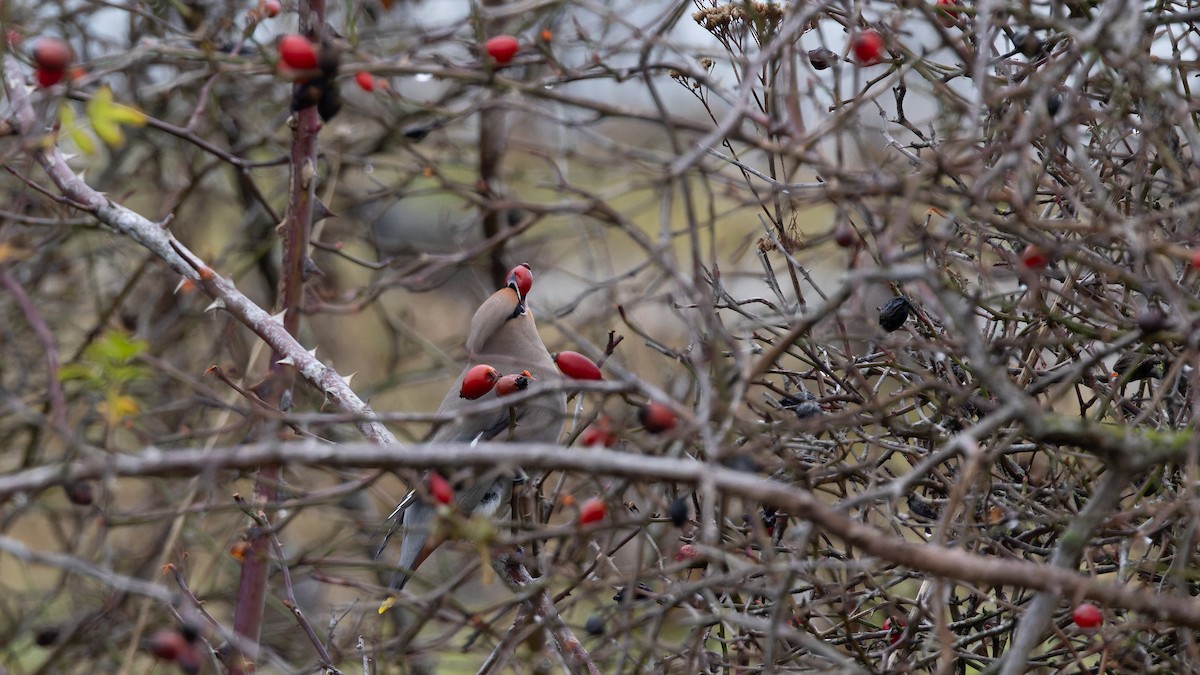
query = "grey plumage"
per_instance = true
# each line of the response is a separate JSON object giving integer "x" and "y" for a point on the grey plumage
{"x": 503, "y": 334}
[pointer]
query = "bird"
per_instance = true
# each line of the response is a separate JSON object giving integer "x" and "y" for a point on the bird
{"x": 503, "y": 335}
{"x": 1134, "y": 366}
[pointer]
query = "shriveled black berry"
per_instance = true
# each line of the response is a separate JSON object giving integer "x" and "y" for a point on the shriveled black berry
{"x": 306, "y": 95}
{"x": 1153, "y": 320}
{"x": 678, "y": 511}
{"x": 594, "y": 625}
{"x": 331, "y": 102}
{"x": 821, "y": 58}
{"x": 46, "y": 637}
{"x": 329, "y": 60}
{"x": 80, "y": 492}
{"x": 1054, "y": 104}
{"x": 190, "y": 632}
{"x": 894, "y": 313}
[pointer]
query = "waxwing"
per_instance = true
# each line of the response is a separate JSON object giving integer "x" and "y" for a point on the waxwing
{"x": 504, "y": 336}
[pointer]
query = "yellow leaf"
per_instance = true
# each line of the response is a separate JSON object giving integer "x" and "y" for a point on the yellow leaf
{"x": 108, "y": 131}
{"x": 79, "y": 136}
{"x": 10, "y": 251}
{"x": 117, "y": 407}
{"x": 107, "y": 117}
{"x": 387, "y": 604}
{"x": 124, "y": 114}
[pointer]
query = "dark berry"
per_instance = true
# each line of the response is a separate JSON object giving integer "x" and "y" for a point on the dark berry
{"x": 80, "y": 492}
{"x": 678, "y": 511}
{"x": 1054, "y": 104}
{"x": 331, "y": 102}
{"x": 894, "y": 313}
{"x": 594, "y": 625}
{"x": 1153, "y": 320}
{"x": 306, "y": 95}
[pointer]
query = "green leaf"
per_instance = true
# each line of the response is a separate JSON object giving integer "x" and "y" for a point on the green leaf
{"x": 114, "y": 348}
{"x": 77, "y": 371}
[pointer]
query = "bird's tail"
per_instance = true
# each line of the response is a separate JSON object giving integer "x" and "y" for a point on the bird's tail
{"x": 417, "y": 520}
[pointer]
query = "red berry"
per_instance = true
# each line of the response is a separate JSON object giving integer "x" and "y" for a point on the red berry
{"x": 599, "y": 434}
{"x": 948, "y": 12}
{"x": 511, "y": 384}
{"x": 686, "y": 552}
{"x": 365, "y": 80}
{"x": 51, "y": 54}
{"x": 592, "y": 511}
{"x": 1034, "y": 258}
{"x": 80, "y": 492}
{"x": 478, "y": 381}
{"x": 522, "y": 275}
{"x": 171, "y": 645}
{"x": 844, "y": 235}
{"x": 502, "y": 48}
{"x": 895, "y": 628}
{"x": 166, "y": 644}
{"x": 868, "y": 48}
{"x": 577, "y": 366}
{"x": 48, "y": 78}
{"x": 1196, "y": 259}
{"x": 439, "y": 488}
{"x": 298, "y": 52}
{"x": 656, "y": 417}
{"x": 271, "y": 8}
{"x": 1087, "y": 615}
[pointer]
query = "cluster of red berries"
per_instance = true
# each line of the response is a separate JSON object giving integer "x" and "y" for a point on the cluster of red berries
{"x": 315, "y": 71}
{"x": 483, "y": 378}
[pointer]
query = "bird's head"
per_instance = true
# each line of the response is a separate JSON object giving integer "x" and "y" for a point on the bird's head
{"x": 503, "y": 313}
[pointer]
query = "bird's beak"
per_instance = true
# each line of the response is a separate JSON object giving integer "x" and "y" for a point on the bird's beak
{"x": 520, "y": 308}
{"x": 512, "y": 283}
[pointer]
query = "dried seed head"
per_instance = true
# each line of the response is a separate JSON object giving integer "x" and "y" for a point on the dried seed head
{"x": 821, "y": 58}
